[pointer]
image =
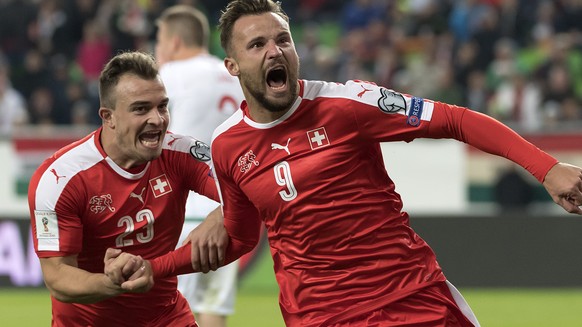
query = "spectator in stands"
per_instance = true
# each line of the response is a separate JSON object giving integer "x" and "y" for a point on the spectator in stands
{"x": 512, "y": 191}
{"x": 34, "y": 73}
{"x": 516, "y": 101}
{"x": 12, "y": 105}
{"x": 93, "y": 51}
{"x": 485, "y": 36}
{"x": 359, "y": 13}
{"x": 41, "y": 107}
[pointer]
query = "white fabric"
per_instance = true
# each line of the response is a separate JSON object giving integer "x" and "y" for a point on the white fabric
{"x": 463, "y": 305}
{"x": 202, "y": 95}
{"x": 213, "y": 292}
{"x": 12, "y": 111}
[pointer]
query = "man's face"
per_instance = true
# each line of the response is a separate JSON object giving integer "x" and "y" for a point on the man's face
{"x": 139, "y": 121}
{"x": 265, "y": 59}
{"x": 164, "y": 45}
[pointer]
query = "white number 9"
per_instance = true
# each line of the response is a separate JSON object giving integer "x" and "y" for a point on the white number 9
{"x": 283, "y": 178}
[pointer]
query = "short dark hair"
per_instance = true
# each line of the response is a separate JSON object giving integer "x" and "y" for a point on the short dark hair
{"x": 137, "y": 63}
{"x": 238, "y": 8}
{"x": 190, "y": 24}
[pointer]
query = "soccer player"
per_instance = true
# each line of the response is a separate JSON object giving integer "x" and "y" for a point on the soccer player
{"x": 124, "y": 186}
{"x": 303, "y": 157}
{"x": 202, "y": 95}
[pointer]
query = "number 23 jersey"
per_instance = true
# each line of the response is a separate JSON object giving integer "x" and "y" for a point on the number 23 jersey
{"x": 82, "y": 203}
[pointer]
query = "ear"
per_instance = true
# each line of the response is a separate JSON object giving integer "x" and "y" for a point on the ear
{"x": 106, "y": 116}
{"x": 232, "y": 66}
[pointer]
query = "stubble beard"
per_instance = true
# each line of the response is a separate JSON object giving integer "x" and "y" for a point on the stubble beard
{"x": 256, "y": 90}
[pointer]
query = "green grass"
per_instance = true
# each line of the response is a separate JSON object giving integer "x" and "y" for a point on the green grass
{"x": 257, "y": 304}
{"x": 526, "y": 307}
{"x": 493, "y": 307}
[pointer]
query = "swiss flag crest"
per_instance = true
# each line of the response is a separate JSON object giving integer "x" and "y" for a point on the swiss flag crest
{"x": 160, "y": 185}
{"x": 317, "y": 138}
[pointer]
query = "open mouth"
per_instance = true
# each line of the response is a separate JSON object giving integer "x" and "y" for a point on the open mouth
{"x": 277, "y": 78}
{"x": 150, "y": 139}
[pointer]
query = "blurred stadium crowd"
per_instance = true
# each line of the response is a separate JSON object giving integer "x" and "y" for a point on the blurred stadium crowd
{"x": 517, "y": 60}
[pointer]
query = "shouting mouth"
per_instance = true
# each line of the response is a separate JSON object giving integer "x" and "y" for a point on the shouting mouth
{"x": 277, "y": 78}
{"x": 151, "y": 139}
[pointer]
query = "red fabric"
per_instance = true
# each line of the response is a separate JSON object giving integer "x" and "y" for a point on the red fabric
{"x": 81, "y": 203}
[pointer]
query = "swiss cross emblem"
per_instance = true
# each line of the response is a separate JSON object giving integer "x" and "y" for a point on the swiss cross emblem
{"x": 160, "y": 185}
{"x": 317, "y": 138}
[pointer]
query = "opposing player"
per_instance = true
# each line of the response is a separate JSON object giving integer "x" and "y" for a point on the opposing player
{"x": 202, "y": 95}
{"x": 124, "y": 186}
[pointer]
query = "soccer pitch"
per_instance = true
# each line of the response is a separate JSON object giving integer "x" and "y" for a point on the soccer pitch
{"x": 257, "y": 304}
{"x": 493, "y": 307}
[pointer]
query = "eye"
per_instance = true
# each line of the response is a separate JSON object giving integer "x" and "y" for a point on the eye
{"x": 140, "y": 109}
{"x": 258, "y": 44}
{"x": 284, "y": 40}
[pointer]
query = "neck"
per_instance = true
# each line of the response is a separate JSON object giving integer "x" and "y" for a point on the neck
{"x": 187, "y": 53}
{"x": 112, "y": 150}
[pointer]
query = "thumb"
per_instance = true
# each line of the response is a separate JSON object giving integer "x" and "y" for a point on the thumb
{"x": 112, "y": 253}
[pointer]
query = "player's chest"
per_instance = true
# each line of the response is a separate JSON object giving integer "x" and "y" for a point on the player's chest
{"x": 112, "y": 199}
{"x": 281, "y": 166}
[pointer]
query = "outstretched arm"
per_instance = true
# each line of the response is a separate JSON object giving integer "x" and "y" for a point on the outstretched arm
{"x": 562, "y": 181}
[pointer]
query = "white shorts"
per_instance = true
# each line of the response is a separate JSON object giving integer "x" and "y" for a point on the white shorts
{"x": 210, "y": 293}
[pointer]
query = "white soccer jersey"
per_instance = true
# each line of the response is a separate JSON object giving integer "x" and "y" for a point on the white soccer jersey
{"x": 202, "y": 95}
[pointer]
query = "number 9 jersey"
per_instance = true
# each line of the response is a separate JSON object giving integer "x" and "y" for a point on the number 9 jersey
{"x": 340, "y": 243}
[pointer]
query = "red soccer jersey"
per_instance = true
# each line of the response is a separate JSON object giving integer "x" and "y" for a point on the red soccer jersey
{"x": 81, "y": 203}
{"x": 341, "y": 245}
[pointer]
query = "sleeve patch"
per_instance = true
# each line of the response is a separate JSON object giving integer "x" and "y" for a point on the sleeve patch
{"x": 200, "y": 151}
{"x": 391, "y": 102}
{"x": 415, "y": 113}
{"x": 47, "y": 224}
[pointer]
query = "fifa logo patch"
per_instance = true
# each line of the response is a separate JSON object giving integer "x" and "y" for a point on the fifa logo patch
{"x": 47, "y": 226}
{"x": 415, "y": 111}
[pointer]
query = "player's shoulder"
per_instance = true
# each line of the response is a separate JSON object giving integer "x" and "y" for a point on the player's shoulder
{"x": 186, "y": 145}
{"x": 72, "y": 159}
{"x": 352, "y": 89}
{"x": 229, "y": 124}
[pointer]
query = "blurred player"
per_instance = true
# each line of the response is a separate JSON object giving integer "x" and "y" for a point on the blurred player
{"x": 202, "y": 95}
{"x": 123, "y": 186}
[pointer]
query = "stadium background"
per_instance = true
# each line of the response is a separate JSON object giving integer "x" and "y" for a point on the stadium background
{"x": 497, "y": 235}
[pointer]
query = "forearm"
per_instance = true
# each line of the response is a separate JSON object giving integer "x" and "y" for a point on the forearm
{"x": 70, "y": 284}
{"x": 491, "y": 136}
{"x": 179, "y": 261}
